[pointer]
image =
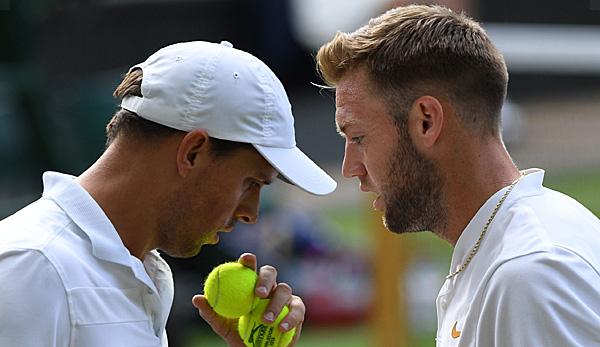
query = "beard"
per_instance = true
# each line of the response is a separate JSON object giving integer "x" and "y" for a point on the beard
{"x": 413, "y": 195}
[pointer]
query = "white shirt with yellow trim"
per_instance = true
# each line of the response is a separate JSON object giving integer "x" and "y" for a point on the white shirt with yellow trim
{"x": 68, "y": 280}
{"x": 535, "y": 280}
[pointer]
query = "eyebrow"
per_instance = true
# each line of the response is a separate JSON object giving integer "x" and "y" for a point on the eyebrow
{"x": 342, "y": 127}
{"x": 264, "y": 179}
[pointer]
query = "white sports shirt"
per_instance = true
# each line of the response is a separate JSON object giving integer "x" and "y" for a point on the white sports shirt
{"x": 535, "y": 280}
{"x": 66, "y": 278}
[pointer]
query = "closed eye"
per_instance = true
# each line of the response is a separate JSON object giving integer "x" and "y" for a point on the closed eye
{"x": 259, "y": 183}
{"x": 356, "y": 139}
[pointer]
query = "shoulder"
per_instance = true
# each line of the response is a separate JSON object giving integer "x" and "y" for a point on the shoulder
{"x": 554, "y": 268}
{"x": 555, "y": 293}
{"x": 34, "y": 302}
{"x": 29, "y": 279}
{"x": 23, "y": 268}
{"x": 552, "y": 224}
{"x": 558, "y": 283}
{"x": 34, "y": 226}
{"x": 43, "y": 234}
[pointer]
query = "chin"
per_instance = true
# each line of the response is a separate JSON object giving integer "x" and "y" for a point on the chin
{"x": 400, "y": 227}
{"x": 183, "y": 252}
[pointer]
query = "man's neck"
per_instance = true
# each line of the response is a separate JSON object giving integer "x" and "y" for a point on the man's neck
{"x": 486, "y": 168}
{"x": 125, "y": 195}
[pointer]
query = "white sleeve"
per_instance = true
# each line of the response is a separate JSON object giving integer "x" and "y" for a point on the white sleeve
{"x": 541, "y": 299}
{"x": 33, "y": 302}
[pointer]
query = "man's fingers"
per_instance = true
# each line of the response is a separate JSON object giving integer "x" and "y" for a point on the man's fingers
{"x": 296, "y": 335}
{"x": 219, "y": 325}
{"x": 295, "y": 317}
{"x": 266, "y": 287}
{"x": 267, "y": 280}
{"x": 248, "y": 260}
{"x": 280, "y": 296}
{"x": 204, "y": 309}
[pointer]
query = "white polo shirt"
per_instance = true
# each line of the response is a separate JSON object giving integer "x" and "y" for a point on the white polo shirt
{"x": 535, "y": 280}
{"x": 66, "y": 278}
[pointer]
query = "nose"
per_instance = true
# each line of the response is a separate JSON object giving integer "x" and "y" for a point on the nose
{"x": 352, "y": 165}
{"x": 247, "y": 211}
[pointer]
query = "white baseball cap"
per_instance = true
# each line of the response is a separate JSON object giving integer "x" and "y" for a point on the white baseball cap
{"x": 233, "y": 96}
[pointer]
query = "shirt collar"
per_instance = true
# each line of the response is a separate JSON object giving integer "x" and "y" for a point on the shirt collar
{"x": 79, "y": 205}
{"x": 530, "y": 184}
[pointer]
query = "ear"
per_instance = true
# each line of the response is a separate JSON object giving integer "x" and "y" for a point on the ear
{"x": 192, "y": 149}
{"x": 425, "y": 122}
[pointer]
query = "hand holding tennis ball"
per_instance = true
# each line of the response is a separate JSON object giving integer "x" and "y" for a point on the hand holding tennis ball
{"x": 235, "y": 290}
{"x": 255, "y": 333}
{"x": 229, "y": 289}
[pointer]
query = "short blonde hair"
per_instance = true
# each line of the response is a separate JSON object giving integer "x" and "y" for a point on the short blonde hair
{"x": 409, "y": 49}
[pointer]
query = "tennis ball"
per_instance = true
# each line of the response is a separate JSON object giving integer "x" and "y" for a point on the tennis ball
{"x": 229, "y": 289}
{"x": 255, "y": 333}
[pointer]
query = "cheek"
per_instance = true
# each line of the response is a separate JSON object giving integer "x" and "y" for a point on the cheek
{"x": 226, "y": 201}
{"x": 212, "y": 206}
{"x": 220, "y": 207}
{"x": 377, "y": 163}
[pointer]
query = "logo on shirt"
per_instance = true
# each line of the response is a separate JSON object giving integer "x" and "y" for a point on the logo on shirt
{"x": 455, "y": 333}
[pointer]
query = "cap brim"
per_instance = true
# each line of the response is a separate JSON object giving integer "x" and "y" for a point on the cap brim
{"x": 298, "y": 169}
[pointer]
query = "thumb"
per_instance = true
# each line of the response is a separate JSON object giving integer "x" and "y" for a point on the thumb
{"x": 208, "y": 314}
{"x": 226, "y": 328}
{"x": 199, "y": 300}
{"x": 201, "y": 303}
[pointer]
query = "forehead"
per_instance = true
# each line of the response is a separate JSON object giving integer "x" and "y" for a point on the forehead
{"x": 250, "y": 162}
{"x": 352, "y": 88}
{"x": 356, "y": 103}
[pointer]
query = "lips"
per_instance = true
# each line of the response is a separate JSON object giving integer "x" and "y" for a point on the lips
{"x": 228, "y": 227}
{"x": 224, "y": 229}
{"x": 378, "y": 202}
{"x": 364, "y": 188}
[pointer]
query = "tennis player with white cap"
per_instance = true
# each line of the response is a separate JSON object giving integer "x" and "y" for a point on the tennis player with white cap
{"x": 201, "y": 129}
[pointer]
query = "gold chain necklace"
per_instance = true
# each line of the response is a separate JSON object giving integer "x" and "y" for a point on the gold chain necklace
{"x": 485, "y": 228}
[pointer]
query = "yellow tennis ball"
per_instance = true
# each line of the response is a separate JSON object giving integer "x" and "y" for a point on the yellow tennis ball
{"x": 255, "y": 333}
{"x": 229, "y": 289}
